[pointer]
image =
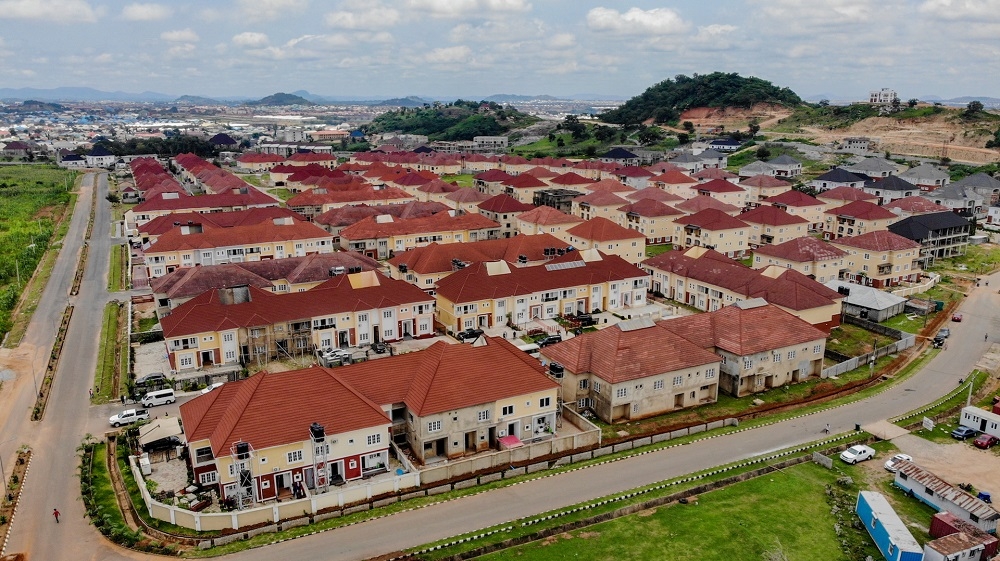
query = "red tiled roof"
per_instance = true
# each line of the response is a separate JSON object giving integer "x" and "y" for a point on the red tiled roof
{"x": 744, "y": 332}
{"x": 634, "y": 171}
{"x": 601, "y": 229}
{"x": 448, "y": 377}
{"x": 316, "y": 197}
{"x": 571, "y": 178}
{"x": 412, "y": 179}
{"x": 793, "y": 198}
{"x": 167, "y": 222}
{"x": 916, "y": 204}
{"x": 546, "y": 215}
{"x": 438, "y": 186}
{"x": 862, "y": 210}
{"x": 712, "y": 219}
{"x": 650, "y": 208}
{"x": 654, "y": 193}
{"x": 621, "y": 356}
{"x": 610, "y": 185}
{"x": 504, "y": 203}
{"x": 252, "y": 197}
{"x": 310, "y": 157}
{"x": 493, "y": 176}
{"x": 879, "y": 240}
{"x": 541, "y": 173}
{"x": 262, "y": 411}
{"x": 524, "y": 181}
{"x": 719, "y": 186}
{"x": 349, "y": 214}
{"x": 764, "y": 181}
{"x": 262, "y": 232}
{"x": 845, "y": 193}
{"x": 437, "y": 258}
{"x": 258, "y": 158}
{"x": 600, "y": 198}
{"x": 771, "y": 216}
{"x": 207, "y": 312}
{"x": 467, "y": 196}
{"x": 370, "y": 228}
{"x": 664, "y": 167}
{"x": 474, "y": 283}
{"x": 790, "y": 289}
{"x": 801, "y": 250}
{"x": 704, "y": 202}
{"x": 713, "y": 173}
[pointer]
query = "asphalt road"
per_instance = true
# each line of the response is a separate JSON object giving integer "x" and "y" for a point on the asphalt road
{"x": 52, "y": 482}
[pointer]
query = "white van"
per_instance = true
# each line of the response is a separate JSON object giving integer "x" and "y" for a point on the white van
{"x": 159, "y": 397}
{"x": 530, "y": 348}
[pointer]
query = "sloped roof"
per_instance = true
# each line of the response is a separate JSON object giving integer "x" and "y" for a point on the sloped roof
{"x": 916, "y": 204}
{"x": 862, "y": 210}
{"x": 673, "y": 177}
{"x": 802, "y": 250}
{"x": 261, "y": 232}
{"x": 601, "y": 229}
{"x": 712, "y": 219}
{"x": 705, "y": 202}
{"x": 763, "y": 180}
{"x": 838, "y": 175}
{"x": 251, "y": 197}
{"x": 609, "y": 185}
{"x": 438, "y": 186}
{"x": 600, "y": 198}
{"x": 719, "y": 186}
{"x": 493, "y": 176}
{"x": 771, "y": 216}
{"x": 894, "y": 183}
{"x": 546, "y": 215}
{"x": 571, "y": 178}
{"x": 794, "y": 198}
{"x": 846, "y": 193}
{"x": 866, "y": 296}
{"x": 879, "y": 240}
{"x": 946, "y": 491}
{"x": 979, "y": 181}
{"x": 504, "y": 203}
{"x": 920, "y": 226}
{"x": 924, "y": 171}
{"x": 262, "y": 411}
{"x": 876, "y": 165}
{"x": 525, "y": 181}
{"x": 655, "y": 194}
{"x": 369, "y": 228}
{"x": 619, "y": 154}
{"x": 617, "y": 356}
{"x": 650, "y": 208}
{"x": 438, "y": 258}
{"x": 467, "y": 196}
{"x": 784, "y": 160}
{"x": 715, "y": 174}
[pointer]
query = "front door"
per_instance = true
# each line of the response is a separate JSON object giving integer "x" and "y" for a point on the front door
{"x": 342, "y": 339}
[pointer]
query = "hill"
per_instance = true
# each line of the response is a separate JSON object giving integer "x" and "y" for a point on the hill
{"x": 196, "y": 100}
{"x": 665, "y": 101}
{"x": 411, "y": 101}
{"x": 459, "y": 120}
{"x": 35, "y": 105}
{"x": 281, "y": 99}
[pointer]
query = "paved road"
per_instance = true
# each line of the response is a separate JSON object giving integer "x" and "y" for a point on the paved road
{"x": 52, "y": 482}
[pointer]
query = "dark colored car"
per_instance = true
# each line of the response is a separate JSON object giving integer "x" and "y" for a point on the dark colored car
{"x": 469, "y": 334}
{"x": 167, "y": 443}
{"x": 586, "y": 320}
{"x": 380, "y": 348}
{"x": 152, "y": 379}
{"x": 944, "y": 333}
{"x": 962, "y": 433}
{"x": 550, "y": 340}
{"x": 985, "y": 441}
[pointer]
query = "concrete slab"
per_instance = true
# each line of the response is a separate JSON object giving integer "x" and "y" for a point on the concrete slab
{"x": 885, "y": 430}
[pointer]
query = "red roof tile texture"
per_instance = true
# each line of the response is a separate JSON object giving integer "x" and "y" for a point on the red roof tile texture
{"x": 863, "y": 210}
{"x": 370, "y": 228}
{"x": 771, "y": 216}
{"x": 262, "y": 232}
{"x": 880, "y": 240}
{"x": 802, "y": 250}
{"x": 601, "y": 229}
{"x": 711, "y": 219}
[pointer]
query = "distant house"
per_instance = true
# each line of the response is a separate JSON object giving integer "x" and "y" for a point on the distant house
{"x": 926, "y": 176}
{"x": 837, "y": 177}
{"x": 879, "y": 258}
{"x": 770, "y": 224}
{"x": 608, "y": 237}
{"x": 889, "y": 532}
{"x": 891, "y": 188}
{"x": 73, "y": 161}
{"x": 856, "y": 218}
{"x": 651, "y": 218}
{"x": 868, "y": 303}
{"x": 504, "y": 210}
{"x": 912, "y": 206}
{"x": 762, "y": 186}
{"x": 941, "y": 495}
{"x": 876, "y": 168}
{"x": 963, "y": 199}
{"x": 620, "y": 156}
{"x": 980, "y": 420}
{"x": 941, "y": 235}
{"x": 16, "y": 149}
{"x": 814, "y": 258}
{"x": 100, "y": 157}
{"x": 725, "y": 144}
{"x": 713, "y": 229}
{"x": 547, "y": 220}
{"x": 223, "y": 141}
{"x": 798, "y": 203}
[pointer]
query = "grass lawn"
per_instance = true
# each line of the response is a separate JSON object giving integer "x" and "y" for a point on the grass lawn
{"x": 749, "y": 520}
{"x": 657, "y": 249}
{"x": 282, "y": 193}
{"x": 251, "y": 178}
{"x": 978, "y": 260}
{"x": 852, "y": 340}
{"x": 104, "y": 389}
{"x": 104, "y": 493}
{"x": 954, "y": 402}
{"x": 903, "y": 323}
{"x": 116, "y": 269}
{"x": 145, "y": 324}
{"x": 463, "y": 180}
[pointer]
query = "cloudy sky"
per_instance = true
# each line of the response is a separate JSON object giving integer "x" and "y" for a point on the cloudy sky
{"x": 475, "y": 48}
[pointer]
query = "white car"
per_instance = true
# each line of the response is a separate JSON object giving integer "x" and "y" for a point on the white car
{"x": 129, "y": 416}
{"x": 858, "y": 453}
{"x": 212, "y": 387}
{"x": 891, "y": 466}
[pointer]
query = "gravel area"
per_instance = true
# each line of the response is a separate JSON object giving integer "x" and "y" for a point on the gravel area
{"x": 957, "y": 462}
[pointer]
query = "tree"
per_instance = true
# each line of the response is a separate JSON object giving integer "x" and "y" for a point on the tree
{"x": 688, "y": 126}
{"x": 552, "y": 137}
{"x": 683, "y": 138}
{"x": 912, "y": 102}
{"x": 763, "y": 153}
{"x": 650, "y": 135}
{"x": 896, "y": 106}
{"x": 560, "y": 142}
{"x": 973, "y": 108}
{"x": 824, "y": 103}
{"x": 754, "y": 127}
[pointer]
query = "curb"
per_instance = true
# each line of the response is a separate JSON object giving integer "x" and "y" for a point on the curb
{"x": 10, "y": 523}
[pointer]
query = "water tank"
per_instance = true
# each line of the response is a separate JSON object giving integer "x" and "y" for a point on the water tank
{"x": 242, "y": 450}
{"x": 317, "y": 432}
{"x": 556, "y": 370}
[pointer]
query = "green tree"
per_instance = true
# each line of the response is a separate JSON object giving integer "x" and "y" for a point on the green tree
{"x": 912, "y": 102}
{"x": 683, "y": 138}
{"x": 754, "y": 127}
{"x": 688, "y": 126}
{"x": 824, "y": 103}
{"x": 895, "y": 105}
{"x": 763, "y": 153}
{"x": 973, "y": 108}
{"x": 560, "y": 142}
{"x": 650, "y": 135}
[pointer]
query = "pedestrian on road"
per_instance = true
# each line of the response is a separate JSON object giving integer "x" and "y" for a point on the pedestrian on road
{"x": 123, "y": 399}
{"x": 827, "y": 429}
{"x": 55, "y": 513}
{"x": 91, "y": 394}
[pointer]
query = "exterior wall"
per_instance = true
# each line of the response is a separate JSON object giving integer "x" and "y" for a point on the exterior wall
{"x": 657, "y": 229}
{"x": 655, "y": 394}
{"x": 523, "y": 194}
{"x": 880, "y": 268}
{"x": 557, "y": 230}
{"x": 874, "y": 523}
{"x": 763, "y": 234}
{"x": 684, "y": 190}
{"x": 822, "y": 271}
{"x": 587, "y": 211}
{"x": 631, "y": 250}
{"x": 759, "y": 372}
{"x": 381, "y": 248}
{"x": 814, "y": 214}
{"x": 732, "y": 243}
{"x": 928, "y": 496}
{"x": 163, "y": 262}
{"x": 507, "y": 220}
{"x": 980, "y": 420}
{"x": 840, "y": 226}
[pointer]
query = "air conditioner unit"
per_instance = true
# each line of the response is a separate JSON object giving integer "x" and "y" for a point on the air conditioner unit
{"x": 501, "y": 433}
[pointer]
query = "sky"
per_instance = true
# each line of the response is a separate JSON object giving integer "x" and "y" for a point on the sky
{"x": 474, "y": 48}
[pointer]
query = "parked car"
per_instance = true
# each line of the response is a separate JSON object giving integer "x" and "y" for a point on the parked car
{"x": 892, "y": 464}
{"x": 985, "y": 441}
{"x": 167, "y": 443}
{"x": 944, "y": 333}
{"x": 212, "y": 387}
{"x": 937, "y": 343}
{"x": 129, "y": 416}
{"x": 962, "y": 433}
{"x": 151, "y": 379}
{"x": 586, "y": 320}
{"x": 380, "y": 348}
{"x": 550, "y": 340}
{"x": 469, "y": 334}
{"x": 858, "y": 453}
{"x": 956, "y": 317}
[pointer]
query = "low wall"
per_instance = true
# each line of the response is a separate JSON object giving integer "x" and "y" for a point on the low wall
{"x": 837, "y": 369}
{"x": 932, "y": 280}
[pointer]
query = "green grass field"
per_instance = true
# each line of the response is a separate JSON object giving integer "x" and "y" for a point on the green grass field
{"x": 104, "y": 387}
{"x": 657, "y": 249}
{"x": 463, "y": 180}
{"x": 116, "y": 269}
{"x": 852, "y": 340}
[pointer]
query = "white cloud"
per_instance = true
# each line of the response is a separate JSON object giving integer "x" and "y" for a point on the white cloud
{"x": 146, "y": 12}
{"x": 185, "y": 50}
{"x": 306, "y": 47}
{"x": 59, "y": 11}
{"x": 270, "y": 9}
{"x": 562, "y": 41}
{"x": 636, "y": 21}
{"x": 251, "y": 39}
{"x": 715, "y": 31}
{"x": 186, "y": 35}
{"x": 364, "y": 16}
{"x": 962, "y": 9}
{"x": 449, "y": 55}
{"x": 459, "y": 8}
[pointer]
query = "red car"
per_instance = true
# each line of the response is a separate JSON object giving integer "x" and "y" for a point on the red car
{"x": 985, "y": 441}
{"x": 956, "y": 317}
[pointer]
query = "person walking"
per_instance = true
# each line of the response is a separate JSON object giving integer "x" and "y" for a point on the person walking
{"x": 827, "y": 429}
{"x": 55, "y": 513}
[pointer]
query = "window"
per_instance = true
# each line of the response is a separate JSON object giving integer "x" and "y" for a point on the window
{"x": 597, "y": 386}
{"x": 747, "y": 363}
{"x": 544, "y": 402}
{"x": 817, "y": 349}
{"x": 387, "y": 314}
{"x": 507, "y": 410}
{"x": 777, "y": 357}
{"x": 583, "y": 384}
{"x": 209, "y": 477}
{"x": 621, "y": 392}
{"x": 484, "y": 415}
{"x": 433, "y": 426}
{"x": 295, "y": 456}
{"x": 678, "y": 380}
{"x": 791, "y": 355}
{"x": 202, "y": 455}
{"x": 187, "y": 360}
{"x": 709, "y": 373}
{"x": 374, "y": 439}
{"x": 929, "y": 491}
{"x": 658, "y": 385}
{"x": 227, "y": 337}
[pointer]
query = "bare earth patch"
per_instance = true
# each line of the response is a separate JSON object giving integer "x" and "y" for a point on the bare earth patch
{"x": 958, "y": 462}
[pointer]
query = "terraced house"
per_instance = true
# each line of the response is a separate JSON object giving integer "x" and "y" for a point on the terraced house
{"x": 231, "y": 326}
{"x": 487, "y": 294}
{"x": 380, "y": 237}
{"x": 190, "y": 245}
